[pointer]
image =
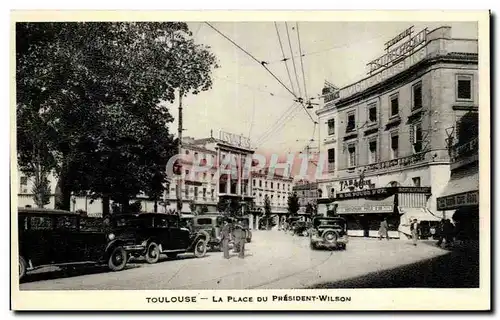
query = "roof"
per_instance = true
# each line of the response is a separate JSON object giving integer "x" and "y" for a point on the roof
{"x": 45, "y": 211}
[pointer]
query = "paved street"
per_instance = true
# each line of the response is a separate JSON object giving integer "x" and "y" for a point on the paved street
{"x": 279, "y": 261}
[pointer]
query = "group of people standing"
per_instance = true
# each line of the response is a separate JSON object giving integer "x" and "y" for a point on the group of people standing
{"x": 383, "y": 231}
{"x": 236, "y": 233}
{"x": 446, "y": 232}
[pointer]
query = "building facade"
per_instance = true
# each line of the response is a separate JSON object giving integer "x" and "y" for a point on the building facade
{"x": 387, "y": 136}
{"x": 307, "y": 193}
{"x": 276, "y": 187}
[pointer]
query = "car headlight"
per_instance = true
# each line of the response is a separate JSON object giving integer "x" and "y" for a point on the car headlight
{"x": 111, "y": 236}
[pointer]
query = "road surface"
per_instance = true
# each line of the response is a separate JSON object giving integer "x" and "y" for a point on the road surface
{"x": 275, "y": 260}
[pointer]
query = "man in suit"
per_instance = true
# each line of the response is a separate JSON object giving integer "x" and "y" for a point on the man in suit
{"x": 225, "y": 237}
{"x": 414, "y": 231}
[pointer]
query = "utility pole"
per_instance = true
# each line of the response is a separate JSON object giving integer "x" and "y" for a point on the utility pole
{"x": 179, "y": 142}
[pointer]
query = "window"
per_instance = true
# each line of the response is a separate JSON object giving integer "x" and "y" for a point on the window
{"x": 187, "y": 151}
{"x": 253, "y": 182}
{"x": 351, "y": 149}
{"x": 271, "y": 185}
{"x": 372, "y": 113}
{"x": 187, "y": 172}
{"x": 331, "y": 127}
{"x": 265, "y": 184}
{"x": 372, "y": 149}
{"x": 278, "y": 186}
{"x": 417, "y": 96}
{"x": 351, "y": 122}
{"x": 394, "y": 146}
{"x": 23, "y": 185}
{"x": 41, "y": 223}
{"x": 331, "y": 155}
{"x": 186, "y": 191}
{"x": 260, "y": 183}
{"x": 464, "y": 87}
{"x": 67, "y": 223}
{"x": 160, "y": 222}
{"x": 416, "y": 181}
{"x": 204, "y": 193}
{"x": 394, "y": 105}
{"x": 417, "y": 137}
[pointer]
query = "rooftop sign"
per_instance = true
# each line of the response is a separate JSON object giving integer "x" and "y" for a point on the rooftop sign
{"x": 234, "y": 139}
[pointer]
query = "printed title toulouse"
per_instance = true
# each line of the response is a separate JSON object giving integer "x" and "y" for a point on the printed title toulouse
{"x": 243, "y": 166}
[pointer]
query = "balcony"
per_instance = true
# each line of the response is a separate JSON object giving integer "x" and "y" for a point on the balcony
{"x": 398, "y": 163}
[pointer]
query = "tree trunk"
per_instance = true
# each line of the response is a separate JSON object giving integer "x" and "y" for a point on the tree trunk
{"x": 63, "y": 192}
{"x": 105, "y": 205}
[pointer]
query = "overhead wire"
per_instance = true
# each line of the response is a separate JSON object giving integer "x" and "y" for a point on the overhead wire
{"x": 263, "y": 63}
{"x": 277, "y": 122}
{"x": 301, "y": 60}
{"x": 289, "y": 118}
{"x": 293, "y": 60}
{"x": 284, "y": 58}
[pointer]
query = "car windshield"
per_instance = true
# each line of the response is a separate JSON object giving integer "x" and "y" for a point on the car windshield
{"x": 204, "y": 221}
{"x": 129, "y": 222}
{"x": 335, "y": 223}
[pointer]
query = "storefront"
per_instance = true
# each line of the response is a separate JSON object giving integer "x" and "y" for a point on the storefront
{"x": 365, "y": 210}
{"x": 459, "y": 201}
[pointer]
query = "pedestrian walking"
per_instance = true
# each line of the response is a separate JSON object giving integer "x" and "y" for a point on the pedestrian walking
{"x": 449, "y": 230}
{"x": 383, "y": 231}
{"x": 225, "y": 237}
{"x": 440, "y": 232}
{"x": 240, "y": 239}
{"x": 414, "y": 231}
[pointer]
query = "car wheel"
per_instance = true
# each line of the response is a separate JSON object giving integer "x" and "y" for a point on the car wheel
{"x": 22, "y": 267}
{"x": 172, "y": 255}
{"x": 330, "y": 237}
{"x": 200, "y": 248}
{"x": 152, "y": 253}
{"x": 117, "y": 259}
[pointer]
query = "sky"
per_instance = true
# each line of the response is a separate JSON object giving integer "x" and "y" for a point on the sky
{"x": 245, "y": 99}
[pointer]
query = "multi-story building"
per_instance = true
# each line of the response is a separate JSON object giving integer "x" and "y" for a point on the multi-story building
{"x": 387, "y": 135}
{"x": 276, "y": 187}
{"x": 459, "y": 201}
{"x": 307, "y": 193}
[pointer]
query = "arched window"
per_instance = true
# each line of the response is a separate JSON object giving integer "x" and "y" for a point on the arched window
{"x": 320, "y": 193}
{"x": 393, "y": 184}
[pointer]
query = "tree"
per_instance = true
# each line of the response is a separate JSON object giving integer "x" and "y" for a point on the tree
{"x": 89, "y": 95}
{"x": 267, "y": 211}
{"x": 293, "y": 204}
{"x": 41, "y": 190}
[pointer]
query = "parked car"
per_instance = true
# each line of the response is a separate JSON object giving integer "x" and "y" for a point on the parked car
{"x": 328, "y": 232}
{"x": 161, "y": 233}
{"x": 64, "y": 238}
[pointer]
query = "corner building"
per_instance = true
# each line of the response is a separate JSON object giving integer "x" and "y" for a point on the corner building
{"x": 388, "y": 135}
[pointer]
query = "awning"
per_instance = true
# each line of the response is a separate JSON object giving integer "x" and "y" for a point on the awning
{"x": 461, "y": 190}
{"x": 362, "y": 206}
{"x": 421, "y": 214}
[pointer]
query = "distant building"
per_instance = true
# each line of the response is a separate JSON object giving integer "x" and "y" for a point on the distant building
{"x": 387, "y": 135}
{"x": 308, "y": 193}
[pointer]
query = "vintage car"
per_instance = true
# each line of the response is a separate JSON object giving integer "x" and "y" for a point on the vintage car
{"x": 64, "y": 238}
{"x": 211, "y": 224}
{"x": 328, "y": 232}
{"x": 161, "y": 233}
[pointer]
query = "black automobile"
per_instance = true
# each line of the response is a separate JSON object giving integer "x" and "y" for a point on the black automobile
{"x": 64, "y": 238}
{"x": 328, "y": 232}
{"x": 161, "y": 233}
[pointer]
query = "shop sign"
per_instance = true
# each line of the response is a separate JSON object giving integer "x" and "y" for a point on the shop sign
{"x": 359, "y": 184}
{"x": 234, "y": 139}
{"x": 402, "y": 50}
{"x": 367, "y": 208}
{"x": 400, "y": 162}
{"x": 395, "y": 68}
{"x": 458, "y": 200}
{"x": 382, "y": 191}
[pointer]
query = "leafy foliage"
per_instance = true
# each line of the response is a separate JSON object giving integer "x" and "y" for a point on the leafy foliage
{"x": 41, "y": 190}
{"x": 89, "y": 101}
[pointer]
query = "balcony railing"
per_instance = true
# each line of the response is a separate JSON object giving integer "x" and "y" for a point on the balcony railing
{"x": 464, "y": 150}
{"x": 396, "y": 163}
